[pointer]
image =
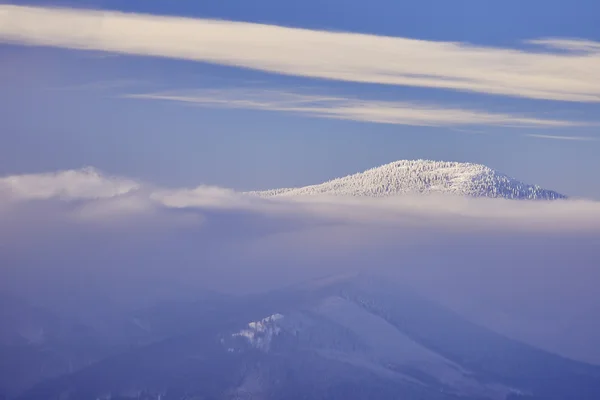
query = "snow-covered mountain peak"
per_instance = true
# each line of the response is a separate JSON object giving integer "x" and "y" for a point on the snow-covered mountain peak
{"x": 424, "y": 177}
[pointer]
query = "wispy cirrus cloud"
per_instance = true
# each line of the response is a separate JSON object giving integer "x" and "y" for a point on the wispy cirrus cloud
{"x": 353, "y": 109}
{"x": 571, "y": 72}
{"x": 569, "y": 138}
{"x": 569, "y": 45}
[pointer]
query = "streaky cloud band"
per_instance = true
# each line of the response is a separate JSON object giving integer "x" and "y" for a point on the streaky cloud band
{"x": 568, "y": 69}
{"x": 353, "y": 109}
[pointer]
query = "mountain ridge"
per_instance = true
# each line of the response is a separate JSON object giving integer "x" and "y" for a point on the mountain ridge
{"x": 345, "y": 337}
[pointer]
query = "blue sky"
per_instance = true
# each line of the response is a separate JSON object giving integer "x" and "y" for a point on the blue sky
{"x": 530, "y": 110}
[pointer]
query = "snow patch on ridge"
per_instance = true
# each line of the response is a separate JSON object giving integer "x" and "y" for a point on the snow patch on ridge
{"x": 259, "y": 334}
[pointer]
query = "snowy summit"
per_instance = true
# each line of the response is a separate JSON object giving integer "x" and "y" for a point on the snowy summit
{"x": 424, "y": 176}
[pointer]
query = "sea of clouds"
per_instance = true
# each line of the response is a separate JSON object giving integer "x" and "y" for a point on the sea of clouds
{"x": 78, "y": 240}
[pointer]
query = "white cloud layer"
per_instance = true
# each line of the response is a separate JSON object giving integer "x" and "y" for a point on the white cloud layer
{"x": 567, "y": 70}
{"x": 86, "y": 183}
{"x": 354, "y": 109}
{"x": 527, "y": 269}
